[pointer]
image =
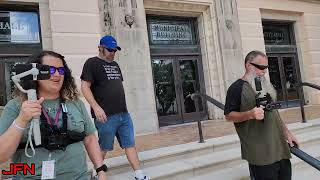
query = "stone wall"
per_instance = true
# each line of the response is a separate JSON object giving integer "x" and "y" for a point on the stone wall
{"x": 305, "y": 16}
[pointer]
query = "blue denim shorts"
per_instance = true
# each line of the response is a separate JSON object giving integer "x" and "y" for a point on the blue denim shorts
{"x": 119, "y": 125}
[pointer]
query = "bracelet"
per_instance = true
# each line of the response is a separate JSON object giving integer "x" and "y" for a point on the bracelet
{"x": 15, "y": 125}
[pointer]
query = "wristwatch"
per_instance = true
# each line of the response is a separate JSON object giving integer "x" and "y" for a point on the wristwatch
{"x": 102, "y": 168}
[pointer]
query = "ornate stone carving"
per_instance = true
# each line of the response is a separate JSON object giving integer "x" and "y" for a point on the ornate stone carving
{"x": 117, "y": 12}
{"x": 107, "y": 16}
{"x": 129, "y": 17}
{"x": 129, "y": 20}
{"x": 121, "y": 3}
{"x": 229, "y": 24}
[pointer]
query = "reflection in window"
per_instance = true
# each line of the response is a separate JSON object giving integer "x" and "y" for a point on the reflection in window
{"x": 164, "y": 87}
{"x": 276, "y": 34}
{"x": 7, "y": 85}
{"x": 190, "y": 84}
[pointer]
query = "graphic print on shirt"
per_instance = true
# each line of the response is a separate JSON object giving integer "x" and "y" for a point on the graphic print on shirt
{"x": 113, "y": 72}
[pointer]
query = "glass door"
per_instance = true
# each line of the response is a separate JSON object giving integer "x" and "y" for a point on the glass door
{"x": 165, "y": 87}
{"x": 276, "y": 78}
{"x": 283, "y": 74}
{"x": 290, "y": 78}
{"x": 190, "y": 82}
{"x": 175, "y": 80}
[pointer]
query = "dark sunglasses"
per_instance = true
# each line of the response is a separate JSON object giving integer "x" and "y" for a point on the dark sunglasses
{"x": 261, "y": 67}
{"x": 111, "y": 50}
{"x": 53, "y": 70}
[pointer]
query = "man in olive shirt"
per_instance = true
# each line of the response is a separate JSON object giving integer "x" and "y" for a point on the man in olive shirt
{"x": 263, "y": 136}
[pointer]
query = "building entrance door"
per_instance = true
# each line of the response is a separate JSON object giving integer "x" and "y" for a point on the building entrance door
{"x": 175, "y": 79}
{"x": 282, "y": 57}
{"x": 283, "y": 76}
{"x": 177, "y": 68}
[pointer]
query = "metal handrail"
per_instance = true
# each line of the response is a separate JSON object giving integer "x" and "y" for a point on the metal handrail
{"x": 213, "y": 101}
{"x": 294, "y": 150}
{"x": 315, "y": 86}
{"x": 299, "y": 88}
{"x": 195, "y": 97}
{"x": 305, "y": 157}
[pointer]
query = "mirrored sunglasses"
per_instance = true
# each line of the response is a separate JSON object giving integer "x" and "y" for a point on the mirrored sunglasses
{"x": 261, "y": 67}
{"x": 53, "y": 70}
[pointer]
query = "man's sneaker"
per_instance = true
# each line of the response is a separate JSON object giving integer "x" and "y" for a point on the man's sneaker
{"x": 145, "y": 178}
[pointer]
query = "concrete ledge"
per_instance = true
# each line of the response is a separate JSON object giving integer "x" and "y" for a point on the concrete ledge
{"x": 224, "y": 165}
{"x": 240, "y": 171}
{"x": 214, "y": 144}
{"x": 181, "y": 162}
{"x": 186, "y": 165}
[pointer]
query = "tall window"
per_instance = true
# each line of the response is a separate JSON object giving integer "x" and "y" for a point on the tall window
{"x": 20, "y": 37}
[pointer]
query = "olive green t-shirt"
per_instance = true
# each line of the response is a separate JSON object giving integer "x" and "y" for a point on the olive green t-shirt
{"x": 262, "y": 143}
{"x": 69, "y": 164}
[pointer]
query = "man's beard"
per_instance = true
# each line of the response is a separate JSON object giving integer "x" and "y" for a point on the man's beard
{"x": 103, "y": 55}
{"x": 266, "y": 85}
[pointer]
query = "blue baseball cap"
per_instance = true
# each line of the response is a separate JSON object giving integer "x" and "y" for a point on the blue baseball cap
{"x": 109, "y": 42}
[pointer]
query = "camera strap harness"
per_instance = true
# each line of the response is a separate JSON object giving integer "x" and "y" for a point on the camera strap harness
{"x": 62, "y": 131}
{"x": 44, "y": 115}
{"x": 54, "y": 138}
{"x": 64, "y": 118}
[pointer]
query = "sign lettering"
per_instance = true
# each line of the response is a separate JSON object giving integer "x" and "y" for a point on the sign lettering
{"x": 19, "y": 27}
{"x": 170, "y": 32}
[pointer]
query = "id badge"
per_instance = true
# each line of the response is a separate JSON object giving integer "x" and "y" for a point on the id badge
{"x": 48, "y": 169}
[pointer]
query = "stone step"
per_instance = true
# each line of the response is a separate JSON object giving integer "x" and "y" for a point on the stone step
{"x": 305, "y": 171}
{"x": 185, "y": 167}
{"x": 311, "y": 112}
{"x": 301, "y": 170}
{"x": 194, "y": 149}
{"x": 190, "y": 166}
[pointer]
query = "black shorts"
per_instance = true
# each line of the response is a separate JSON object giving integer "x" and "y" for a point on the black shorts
{"x": 280, "y": 170}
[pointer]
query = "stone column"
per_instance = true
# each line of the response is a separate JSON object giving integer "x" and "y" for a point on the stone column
{"x": 230, "y": 40}
{"x": 134, "y": 59}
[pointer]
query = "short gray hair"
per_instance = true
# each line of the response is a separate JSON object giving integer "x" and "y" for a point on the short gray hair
{"x": 252, "y": 55}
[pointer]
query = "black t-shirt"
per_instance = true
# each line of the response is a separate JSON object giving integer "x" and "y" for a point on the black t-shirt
{"x": 106, "y": 85}
{"x": 233, "y": 99}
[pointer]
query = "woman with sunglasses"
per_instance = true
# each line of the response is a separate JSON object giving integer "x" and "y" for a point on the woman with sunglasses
{"x": 60, "y": 110}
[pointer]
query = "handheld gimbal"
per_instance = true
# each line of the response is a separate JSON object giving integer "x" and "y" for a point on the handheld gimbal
{"x": 31, "y": 73}
{"x": 266, "y": 100}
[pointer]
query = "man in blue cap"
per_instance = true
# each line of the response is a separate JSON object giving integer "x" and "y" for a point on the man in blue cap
{"x": 102, "y": 87}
